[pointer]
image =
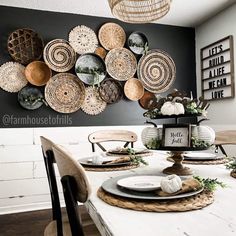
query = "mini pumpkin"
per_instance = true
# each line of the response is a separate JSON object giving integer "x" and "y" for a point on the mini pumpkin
{"x": 171, "y": 184}
{"x": 203, "y": 133}
{"x": 172, "y": 108}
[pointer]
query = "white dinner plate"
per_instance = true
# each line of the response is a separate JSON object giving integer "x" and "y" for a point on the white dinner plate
{"x": 200, "y": 156}
{"x": 141, "y": 183}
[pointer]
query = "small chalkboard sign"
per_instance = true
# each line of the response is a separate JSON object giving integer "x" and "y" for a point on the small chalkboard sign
{"x": 217, "y": 67}
{"x": 176, "y": 135}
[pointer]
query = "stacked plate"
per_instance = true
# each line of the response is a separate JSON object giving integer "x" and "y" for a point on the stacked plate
{"x": 202, "y": 156}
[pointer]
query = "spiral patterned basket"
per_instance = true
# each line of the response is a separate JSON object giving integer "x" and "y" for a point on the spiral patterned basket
{"x": 65, "y": 93}
{"x": 157, "y": 71}
{"x": 59, "y": 55}
{"x": 12, "y": 77}
{"x": 25, "y": 45}
{"x": 121, "y": 64}
{"x": 111, "y": 36}
{"x": 83, "y": 39}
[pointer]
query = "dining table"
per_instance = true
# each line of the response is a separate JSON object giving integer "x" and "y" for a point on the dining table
{"x": 218, "y": 218}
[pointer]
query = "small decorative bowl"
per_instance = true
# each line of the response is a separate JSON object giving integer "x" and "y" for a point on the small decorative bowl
{"x": 133, "y": 89}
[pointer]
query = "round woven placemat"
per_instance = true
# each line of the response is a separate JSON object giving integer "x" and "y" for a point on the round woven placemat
{"x": 12, "y": 77}
{"x": 65, "y": 93}
{"x": 121, "y": 64}
{"x": 157, "y": 71}
{"x": 198, "y": 201}
{"x": 122, "y": 155}
{"x": 93, "y": 104}
{"x": 127, "y": 167}
{"x": 83, "y": 39}
{"x": 110, "y": 91}
{"x": 111, "y": 36}
{"x": 25, "y": 45}
{"x": 59, "y": 55}
{"x": 233, "y": 174}
{"x": 210, "y": 162}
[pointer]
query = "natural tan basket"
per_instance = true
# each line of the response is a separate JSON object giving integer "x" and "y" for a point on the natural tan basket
{"x": 233, "y": 173}
{"x": 120, "y": 168}
{"x": 25, "y": 45}
{"x": 198, "y": 162}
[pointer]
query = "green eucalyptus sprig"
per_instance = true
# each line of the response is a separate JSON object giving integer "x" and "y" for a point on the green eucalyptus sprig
{"x": 153, "y": 144}
{"x": 231, "y": 164}
{"x": 135, "y": 159}
{"x": 210, "y": 184}
{"x": 196, "y": 143}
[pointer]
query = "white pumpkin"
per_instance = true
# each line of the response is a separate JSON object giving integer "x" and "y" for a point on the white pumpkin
{"x": 203, "y": 133}
{"x": 150, "y": 133}
{"x": 171, "y": 184}
{"x": 172, "y": 108}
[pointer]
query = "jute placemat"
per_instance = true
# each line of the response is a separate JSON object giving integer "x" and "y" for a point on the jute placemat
{"x": 210, "y": 162}
{"x": 198, "y": 201}
{"x": 233, "y": 174}
{"x": 122, "y": 155}
{"x": 101, "y": 169}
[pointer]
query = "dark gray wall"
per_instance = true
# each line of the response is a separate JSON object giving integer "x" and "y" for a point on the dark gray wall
{"x": 179, "y": 42}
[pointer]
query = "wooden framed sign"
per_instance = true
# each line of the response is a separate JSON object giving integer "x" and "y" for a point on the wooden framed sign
{"x": 176, "y": 135}
{"x": 217, "y": 68}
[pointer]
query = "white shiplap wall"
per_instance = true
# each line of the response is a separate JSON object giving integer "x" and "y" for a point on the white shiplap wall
{"x": 23, "y": 182}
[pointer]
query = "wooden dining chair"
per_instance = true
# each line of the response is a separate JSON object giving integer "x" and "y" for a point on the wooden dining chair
{"x": 98, "y": 137}
{"x": 76, "y": 188}
{"x": 49, "y": 161}
{"x": 226, "y": 137}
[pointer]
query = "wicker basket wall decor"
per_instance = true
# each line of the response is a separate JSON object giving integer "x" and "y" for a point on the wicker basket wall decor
{"x": 59, "y": 55}
{"x": 65, "y": 93}
{"x": 133, "y": 89}
{"x": 110, "y": 91}
{"x": 157, "y": 71}
{"x": 93, "y": 104}
{"x": 111, "y": 36}
{"x": 12, "y": 77}
{"x": 121, "y": 64}
{"x": 101, "y": 52}
{"x": 83, "y": 39}
{"x": 25, "y": 45}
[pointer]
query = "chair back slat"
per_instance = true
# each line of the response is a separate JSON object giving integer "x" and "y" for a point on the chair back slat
{"x": 225, "y": 137}
{"x": 69, "y": 167}
{"x": 112, "y": 135}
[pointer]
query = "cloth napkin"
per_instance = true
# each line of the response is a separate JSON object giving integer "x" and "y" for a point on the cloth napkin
{"x": 119, "y": 160}
{"x": 188, "y": 185}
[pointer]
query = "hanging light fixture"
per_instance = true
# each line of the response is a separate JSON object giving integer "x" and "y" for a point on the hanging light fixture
{"x": 139, "y": 11}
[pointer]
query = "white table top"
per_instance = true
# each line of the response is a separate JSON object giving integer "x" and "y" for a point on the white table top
{"x": 216, "y": 219}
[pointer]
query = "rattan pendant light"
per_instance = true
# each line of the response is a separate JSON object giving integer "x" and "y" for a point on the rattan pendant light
{"x": 139, "y": 11}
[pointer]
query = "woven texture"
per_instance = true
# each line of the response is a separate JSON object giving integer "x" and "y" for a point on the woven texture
{"x": 157, "y": 71}
{"x": 122, "y": 155}
{"x": 233, "y": 174}
{"x": 133, "y": 89}
{"x": 110, "y": 91}
{"x": 139, "y": 11}
{"x": 93, "y": 104}
{"x": 121, "y": 64}
{"x": 83, "y": 39}
{"x": 25, "y": 46}
{"x": 65, "y": 93}
{"x": 210, "y": 162}
{"x": 198, "y": 201}
{"x": 12, "y": 77}
{"x": 59, "y": 55}
{"x": 102, "y": 169}
{"x": 111, "y": 36}
{"x": 101, "y": 52}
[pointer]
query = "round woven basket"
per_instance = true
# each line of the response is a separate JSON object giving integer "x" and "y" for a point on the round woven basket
{"x": 157, "y": 71}
{"x": 25, "y": 45}
{"x": 101, "y": 52}
{"x": 38, "y": 73}
{"x": 111, "y": 35}
{"x": 12, "y": 77}
{"x": 93, "y": 104}
{"x": 133, "y": 89}
{"x": 110, "y": 91}
{"x": 119, "y": 168}
{"x": 121, "y": 64}
{"x": 83, "y": 39}
{"x": 65, "y": 93}
{"x": 59, "y": 55}
{"x": 148, "y": 100}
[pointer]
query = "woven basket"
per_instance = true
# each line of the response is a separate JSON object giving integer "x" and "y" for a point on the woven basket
{"x": 133, "y": 89}
{"x": 233, "y": 174}
{"x": 25, "y": 45}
